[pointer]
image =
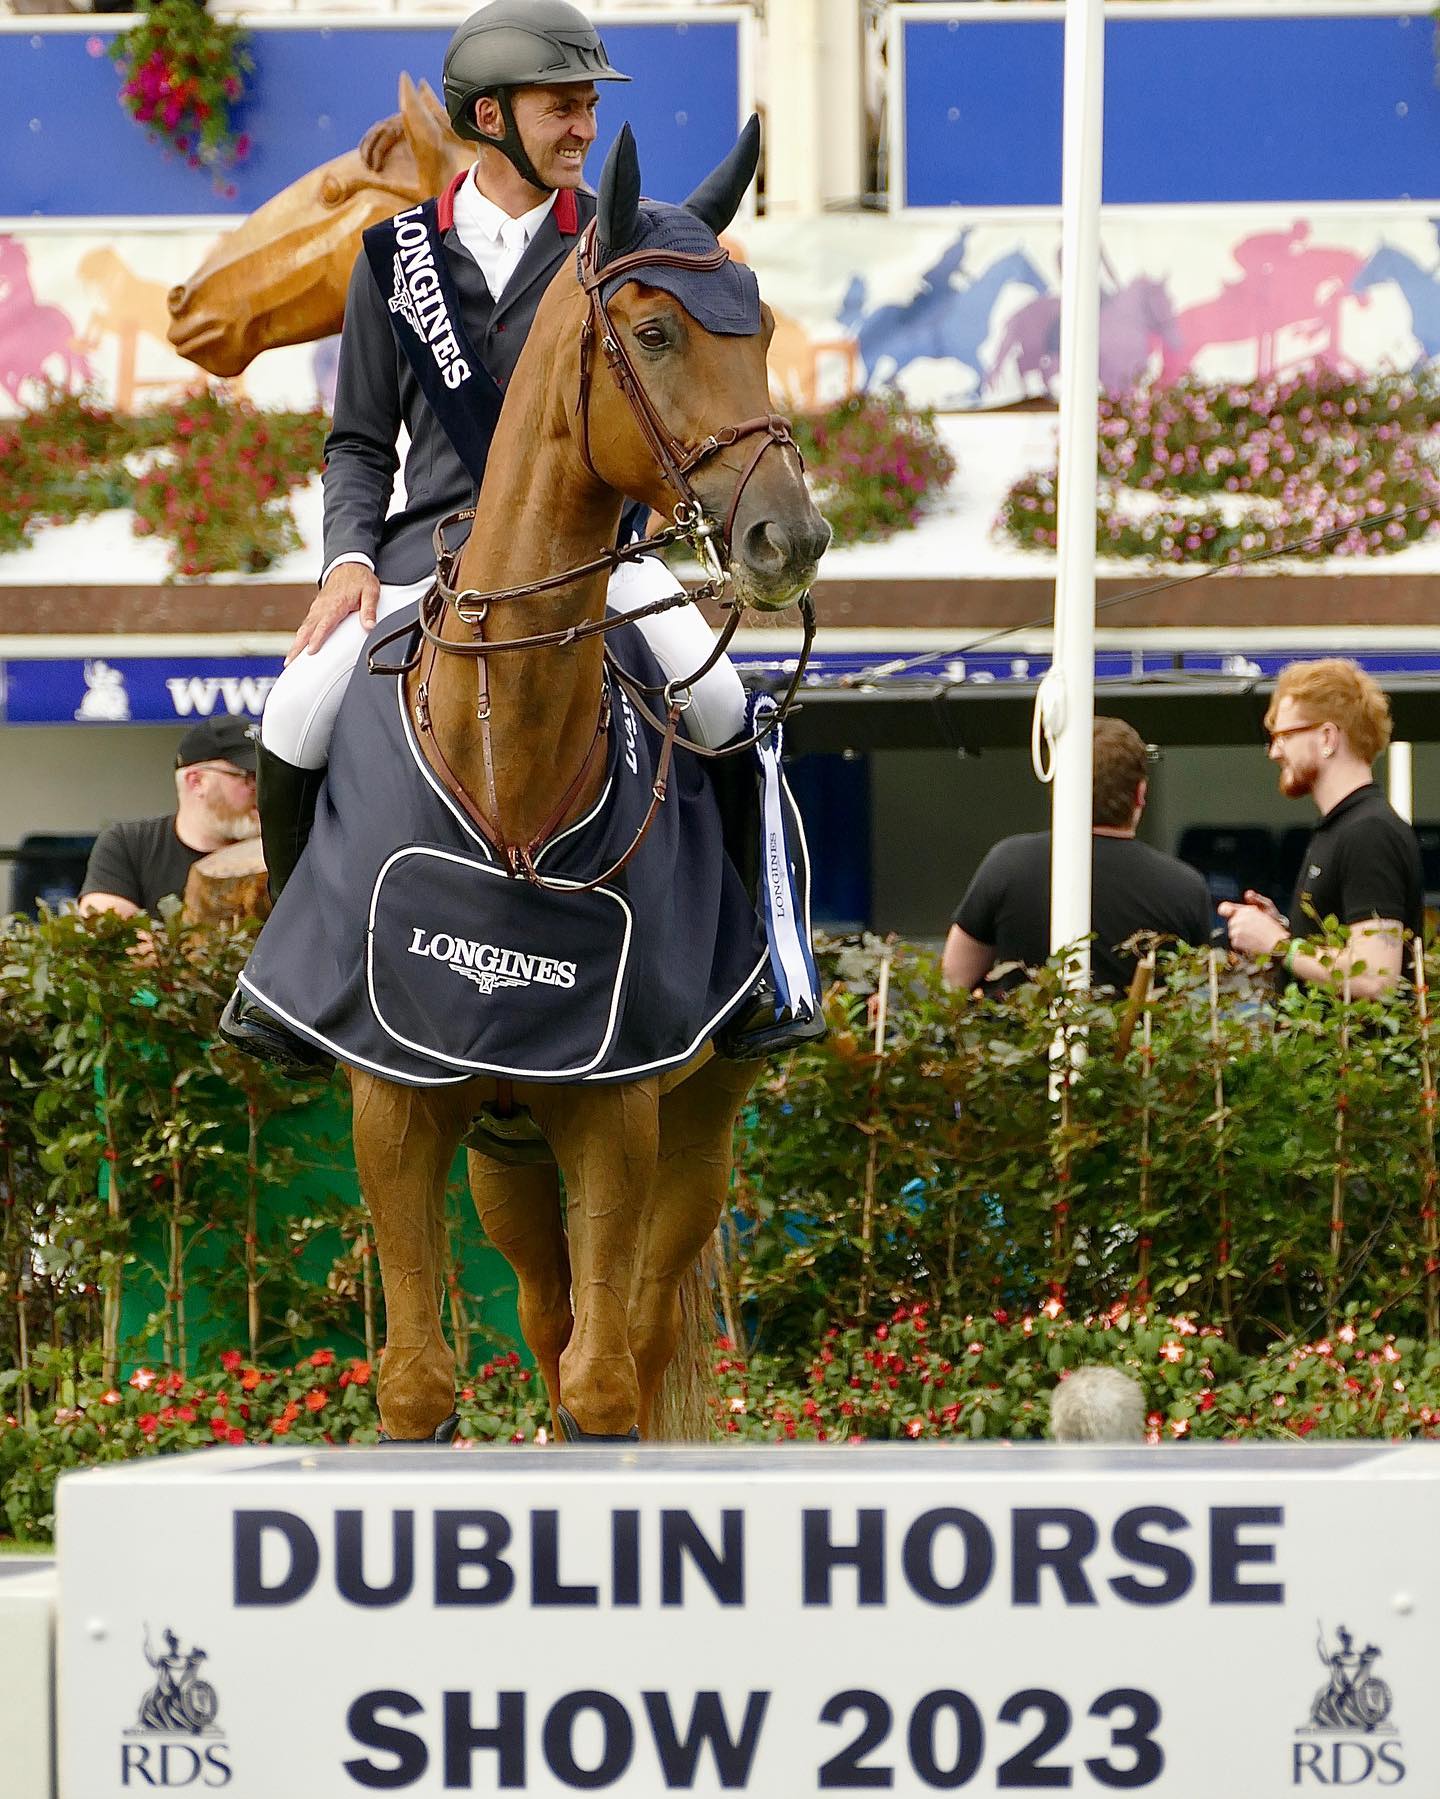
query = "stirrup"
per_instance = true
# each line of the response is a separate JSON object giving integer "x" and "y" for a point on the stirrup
{"x": 572, "y": 1432}
{"x": 444, "y": 1432}
{"x": 246, "y": 1025}
{"x": 513, "y": 1138}
{"x": 754, "y": 1031}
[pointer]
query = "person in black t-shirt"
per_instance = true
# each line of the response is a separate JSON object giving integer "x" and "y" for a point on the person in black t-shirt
{"x": 137, "y": 863}
{"x": 1005, "y": 914}
{"x": 1327, "y": 722}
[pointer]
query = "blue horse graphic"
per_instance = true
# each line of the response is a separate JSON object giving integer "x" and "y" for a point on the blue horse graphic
{"x": 1421, "y": 288}
{"x": 941, "y": 321}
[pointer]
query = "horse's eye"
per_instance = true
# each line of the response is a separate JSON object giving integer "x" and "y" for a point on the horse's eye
{"x": 332, "y": 190}
{"x": 652, "y": 337}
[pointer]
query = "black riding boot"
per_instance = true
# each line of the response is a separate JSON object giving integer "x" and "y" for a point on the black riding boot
{"x": 753, "y": 1030}
{"x": 286, "y": 797}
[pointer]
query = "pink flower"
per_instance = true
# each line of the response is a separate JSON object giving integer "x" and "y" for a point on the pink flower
{"x": 142, "y": 1378}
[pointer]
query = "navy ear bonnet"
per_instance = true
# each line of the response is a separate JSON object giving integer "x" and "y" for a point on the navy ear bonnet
{"x": 724, "y": 300}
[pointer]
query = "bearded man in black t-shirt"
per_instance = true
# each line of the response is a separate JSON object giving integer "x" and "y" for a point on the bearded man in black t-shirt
{"x": 1327, "y": 722}
{"x": 1004, "y": 917}
{"x": 138, "y": 862}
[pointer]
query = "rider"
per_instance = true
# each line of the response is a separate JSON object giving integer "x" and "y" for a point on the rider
{"x": 520, "y": 82}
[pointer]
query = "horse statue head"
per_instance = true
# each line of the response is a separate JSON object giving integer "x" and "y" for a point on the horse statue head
{"x": 280, "y": 278}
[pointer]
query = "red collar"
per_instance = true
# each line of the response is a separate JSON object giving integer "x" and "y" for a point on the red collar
{"x": 565, "y": 212}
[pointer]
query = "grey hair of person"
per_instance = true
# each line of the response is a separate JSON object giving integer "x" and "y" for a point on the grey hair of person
{"x": 1097, "y": 1405}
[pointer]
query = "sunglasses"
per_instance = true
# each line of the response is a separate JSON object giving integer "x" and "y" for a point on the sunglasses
{"x": 1294, "y": 730}
{"x": 224, "y": 768}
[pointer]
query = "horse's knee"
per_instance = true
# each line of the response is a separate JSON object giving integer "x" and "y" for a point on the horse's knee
{"x": 546, "y": 1322}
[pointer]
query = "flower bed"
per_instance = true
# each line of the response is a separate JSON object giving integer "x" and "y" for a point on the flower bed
{"x": 916, "y": 1376}
{"x": 1234, "y": 471}
{"x": 210, "y": 474}
{"x": 873, "y": 464}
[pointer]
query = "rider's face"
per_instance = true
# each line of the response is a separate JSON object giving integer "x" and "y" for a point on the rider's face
{"x": 557, "y": 128}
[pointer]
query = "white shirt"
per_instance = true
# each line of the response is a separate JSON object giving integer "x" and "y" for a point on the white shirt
{"x": 497, "y": 242}
{"x": 493, "y": 238}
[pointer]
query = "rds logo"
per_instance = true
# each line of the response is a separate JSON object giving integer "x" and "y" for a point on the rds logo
{"x": 1349, "y": 1739}
{"x": 176, "y": 1742}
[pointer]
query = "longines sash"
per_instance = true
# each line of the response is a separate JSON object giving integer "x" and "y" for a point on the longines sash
{"x": 407, "y": 259}
{"x": 400, "y": 944}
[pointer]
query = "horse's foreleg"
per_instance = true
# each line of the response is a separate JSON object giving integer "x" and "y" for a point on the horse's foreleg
{"x": 405, "y": 1141}
{"x": 605, "y": 1140}
{"x": 520, "y": 1211}
{"x": 692, "y": 1183}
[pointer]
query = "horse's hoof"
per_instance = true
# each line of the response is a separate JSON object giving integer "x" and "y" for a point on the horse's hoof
{"x": 572, "y": 1432}
{"x": 444, "y": 1433}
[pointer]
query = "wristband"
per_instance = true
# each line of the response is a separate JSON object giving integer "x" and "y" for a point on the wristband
{"x": 1292, "y": 949}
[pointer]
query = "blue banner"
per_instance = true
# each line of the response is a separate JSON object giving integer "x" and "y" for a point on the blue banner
{"x": 174, "y": 690}
{"x": 68, "y": 148}
{"x": 1217, "y": 109}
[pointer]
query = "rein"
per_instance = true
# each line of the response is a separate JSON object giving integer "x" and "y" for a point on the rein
{"x": 471, "y": 606}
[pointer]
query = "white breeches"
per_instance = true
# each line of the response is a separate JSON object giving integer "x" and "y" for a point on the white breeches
{"x": 300, "y": 712}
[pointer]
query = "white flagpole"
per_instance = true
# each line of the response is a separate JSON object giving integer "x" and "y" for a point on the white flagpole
{"x": 1066, "y": 702}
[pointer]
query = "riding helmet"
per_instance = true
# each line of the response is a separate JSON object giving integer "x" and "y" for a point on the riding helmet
{"x": 519, "y": 43}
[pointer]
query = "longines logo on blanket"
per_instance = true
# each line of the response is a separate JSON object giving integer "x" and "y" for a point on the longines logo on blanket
{"x": 418, "y": 298}
{"x": 177, "y": 1740}
{"x": 1349, "y": 1737}
{"x": 488, "y": 965}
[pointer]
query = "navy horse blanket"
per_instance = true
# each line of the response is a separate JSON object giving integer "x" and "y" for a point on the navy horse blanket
{"x": 401, "y": 945}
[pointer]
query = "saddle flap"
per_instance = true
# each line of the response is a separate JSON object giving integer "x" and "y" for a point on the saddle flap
{"x": 469, "y": 966}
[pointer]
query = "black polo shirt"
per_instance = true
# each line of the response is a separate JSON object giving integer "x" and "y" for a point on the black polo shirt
{"x": 1362, "y": 862}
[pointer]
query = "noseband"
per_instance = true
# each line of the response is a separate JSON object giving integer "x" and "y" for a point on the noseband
{"x": 711, "y": 548}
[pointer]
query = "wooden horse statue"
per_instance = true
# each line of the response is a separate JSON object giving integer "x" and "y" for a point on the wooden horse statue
{"x": 620, "y": 391}
{"x": 281, "y": 277}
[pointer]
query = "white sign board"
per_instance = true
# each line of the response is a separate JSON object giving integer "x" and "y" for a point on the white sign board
{"x": 1188, "y": 1622}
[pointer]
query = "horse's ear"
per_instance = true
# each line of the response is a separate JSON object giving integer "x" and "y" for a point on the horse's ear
{"x": 617, "y": 215}
{"x": 433, "y": 101}
{"x": 718, "y": 197}
{"x": 428, "y": 135}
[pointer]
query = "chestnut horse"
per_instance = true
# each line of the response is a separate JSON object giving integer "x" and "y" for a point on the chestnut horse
{"x": 280, "y": 278}
{"x": 605, "y": 387}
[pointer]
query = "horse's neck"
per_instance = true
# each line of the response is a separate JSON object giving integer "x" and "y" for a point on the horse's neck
{"x": 989, "y": 281}
{"x": 544, "y": 703}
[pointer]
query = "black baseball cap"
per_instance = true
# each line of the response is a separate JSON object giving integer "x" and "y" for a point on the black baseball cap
{"x": 220, "y": 740}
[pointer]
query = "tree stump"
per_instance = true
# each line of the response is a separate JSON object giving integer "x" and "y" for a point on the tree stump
{"x": 227, "y": 885}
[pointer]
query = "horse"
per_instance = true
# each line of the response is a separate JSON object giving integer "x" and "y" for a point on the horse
{"x": 281, "y": 277}
{"x": 941, "y": 322}
{"x": 1420, "y": 288}
{"x": 612, "y": 384}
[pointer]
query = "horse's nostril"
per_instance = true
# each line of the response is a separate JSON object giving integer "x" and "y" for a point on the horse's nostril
{"x": 175, "y": 300}
{"x": 767, "y": 547}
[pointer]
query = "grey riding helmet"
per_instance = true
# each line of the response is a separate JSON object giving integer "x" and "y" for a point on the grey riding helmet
{"x": 519, "y": 43}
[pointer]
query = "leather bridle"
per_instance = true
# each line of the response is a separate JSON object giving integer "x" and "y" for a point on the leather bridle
{"x": 711, "y": 547}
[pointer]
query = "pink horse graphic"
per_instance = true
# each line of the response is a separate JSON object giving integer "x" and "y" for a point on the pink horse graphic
{"x": 1286, "y": 284}
{"x": 1136, "y": 319}
{"x": 37, "y": 343}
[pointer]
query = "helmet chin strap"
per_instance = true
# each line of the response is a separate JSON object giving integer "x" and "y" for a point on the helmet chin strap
{"x": 512, "y": 148}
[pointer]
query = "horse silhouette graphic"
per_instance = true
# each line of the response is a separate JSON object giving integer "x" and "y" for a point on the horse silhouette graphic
{"x": 1419, "y": 287}
{"x": 941, "y": 321}
{"x": 1287, "y": 284}
{"x": 37, "y": 343}
{"x": 1136, "y": 319}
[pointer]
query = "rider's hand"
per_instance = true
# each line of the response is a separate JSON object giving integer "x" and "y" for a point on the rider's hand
{"x": 349, "y": 587}
{"x": 1266, "y": 905}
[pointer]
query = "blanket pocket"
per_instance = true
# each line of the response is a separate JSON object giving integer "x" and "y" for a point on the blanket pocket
{"x": 491, "y": 974}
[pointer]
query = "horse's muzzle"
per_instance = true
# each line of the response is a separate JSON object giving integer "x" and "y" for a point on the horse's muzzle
{"x": 773, "y": 561}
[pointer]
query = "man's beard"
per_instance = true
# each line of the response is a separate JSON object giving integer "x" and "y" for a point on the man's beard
{"x": 234, "y": 827}
{"x": 1295, "y": 783}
